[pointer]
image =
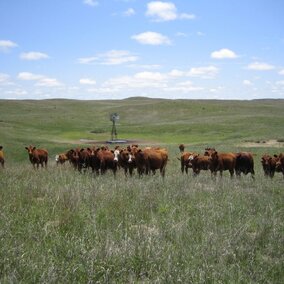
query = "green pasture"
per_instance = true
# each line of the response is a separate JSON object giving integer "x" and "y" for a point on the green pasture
{"x": 60, "y": 226}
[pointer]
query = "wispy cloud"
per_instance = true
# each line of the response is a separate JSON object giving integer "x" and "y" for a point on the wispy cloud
{"x": 129, "y": 12}
{"x": 223, "y": 54}
{"x": 152, "y": 38}
{"x": 260, "y": 66}
{"x": 92, "y": 3}
{"x": 6, "y": 45}
{"x": 112, "y": 57}
{"x": 87, "y": 81}
{"x": 41, "y": 80}
{"x": 247, "y": 83}
{"x": 165, "y": 11}
{"x": 33, "y": 55}
{"x": 205, "y": 72}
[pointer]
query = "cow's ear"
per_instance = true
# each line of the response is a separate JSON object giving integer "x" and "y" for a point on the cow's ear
{"x": 1, "y": 147}
{"x": 26, "y": 148}
{"x": 34, "y": 148}
{"x": 112, "y": 151}
{"x": 82, "y": 150}
{"x": 275, "y": 156}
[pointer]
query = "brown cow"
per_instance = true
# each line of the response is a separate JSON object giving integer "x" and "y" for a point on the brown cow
{"x": 185, "y": 161}
{"x": 106, "y": 160}
{"x": 61, "y": 158}
{"x": 280, "y": 163}
{"x": 151, "y": 160}
{"x": 209, "y": 151}
{"x": 268, "y": 165}
{"x": 127, "y": 161}
{"x": 73, "y": 157}
{"x": 222, "y": 162}
{"x": 244, "y": 164}
{"x": 200, "y": 162}
{"x": 181, "y": 148}
{"x": 37, "y": 156}
{"x": 2, "y": 160}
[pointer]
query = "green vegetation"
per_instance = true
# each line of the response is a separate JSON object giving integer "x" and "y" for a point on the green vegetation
{"x": 59, "y": 226}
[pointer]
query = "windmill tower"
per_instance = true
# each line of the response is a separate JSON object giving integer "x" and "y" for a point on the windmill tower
{"x": 114, "y": 117}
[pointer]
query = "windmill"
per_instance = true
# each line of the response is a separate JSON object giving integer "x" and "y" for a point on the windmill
{"x": 114, "y": 117}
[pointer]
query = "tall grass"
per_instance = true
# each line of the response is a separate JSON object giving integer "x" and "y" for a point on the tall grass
{"x": 58, "y": 225}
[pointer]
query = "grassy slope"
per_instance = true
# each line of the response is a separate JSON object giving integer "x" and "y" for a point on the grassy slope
{"x": 57, "y": 225}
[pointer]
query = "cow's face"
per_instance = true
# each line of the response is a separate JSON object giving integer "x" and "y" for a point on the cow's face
{"x": 30, "y": 149}
{"x": 266, "y": 160}
{"x": 116, "y": 154}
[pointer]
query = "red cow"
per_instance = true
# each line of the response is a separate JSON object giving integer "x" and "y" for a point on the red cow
{"x": 268, "y": 165}
{"x": 280, "y": 163}
{"x": 73, "y": 157}
{"x": 185, "y": 162}
{"x": 106, "y": 160}
{"x": 244, "y": 164}
{"x": 37, "y": 156}
{"x": 151, "y": 160}
{"x": 2, "y": 160}
{"x": 61, "y": 158}
{"x": 200, "y": 162}
{"x": 127, "y": 161}
{"x": 222, "y": 162}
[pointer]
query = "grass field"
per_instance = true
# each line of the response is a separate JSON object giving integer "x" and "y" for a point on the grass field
{"x": 59, "y": 226}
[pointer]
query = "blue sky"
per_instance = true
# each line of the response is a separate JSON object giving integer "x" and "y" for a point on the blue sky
{"x": 114, "y": 49}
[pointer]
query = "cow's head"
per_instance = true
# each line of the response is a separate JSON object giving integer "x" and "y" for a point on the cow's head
{"x": 116, "y": 155}
{"x": 30, "y": 149}
{"x": 181, "y": 148}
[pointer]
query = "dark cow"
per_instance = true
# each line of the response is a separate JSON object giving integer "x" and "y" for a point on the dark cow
{"x": 73, "y": 157}
{"x": 244, "y": 164}
{"x": 37, "y": 156}
{"x": 280, "y": 163}
{"x": 181, "y": 148}
{"x": 2, "y": 160}
{"x": 185, "y": 162}
{"x": 269, "y": 165}
{"x": 126, "y": 160}
{"x": 200, "y": 162}
{"x": 223, "y": 162}
{"x": 151, "y": 160}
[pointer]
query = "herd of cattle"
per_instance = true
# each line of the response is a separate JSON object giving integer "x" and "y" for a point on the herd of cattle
{"x": 150, "y": 159}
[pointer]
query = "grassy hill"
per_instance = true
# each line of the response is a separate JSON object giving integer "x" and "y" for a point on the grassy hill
{"x": 60, "y": 226}
{"x": 57, "y": 124}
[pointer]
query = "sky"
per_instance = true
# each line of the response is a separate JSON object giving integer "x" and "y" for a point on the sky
{"x": 115, "y": 49}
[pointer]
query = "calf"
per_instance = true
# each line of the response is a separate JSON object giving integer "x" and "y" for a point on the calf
{"x": 37, "y": 156}
{"x": 244, "y": 164}
{"x": 2, "y": 160}
{"x": 268, "y": 165}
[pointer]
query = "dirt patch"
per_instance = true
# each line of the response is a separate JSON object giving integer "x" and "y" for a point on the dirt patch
{"x": 263, "y": 143}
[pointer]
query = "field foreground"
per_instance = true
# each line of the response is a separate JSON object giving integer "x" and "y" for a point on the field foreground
{"x": 58, "y": 225}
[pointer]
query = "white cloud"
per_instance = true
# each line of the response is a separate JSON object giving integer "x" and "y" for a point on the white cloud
{"x": 152, "y": 38}
{"x": 165, "y": 11}
{"x": 41, "y": 80}
{"x": 223, "y": 53}
{"x": 205, "y": 72}
{"x": 92, "y": 3}
{"x": 87, "y": 81}
{"x": 281, "y": 72}
{"x": 129, "y": 12}
{"x": 151, "y": 76}
{"x": 112, "y": 57}
{"x": 6, "y": 45}
{"x": 247, "y": 83}
{"x": 33, "y": 55}
{"x": 4, "y": 78}
{"x": 177, "y": 73}
{"x": 260, "y": 66}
